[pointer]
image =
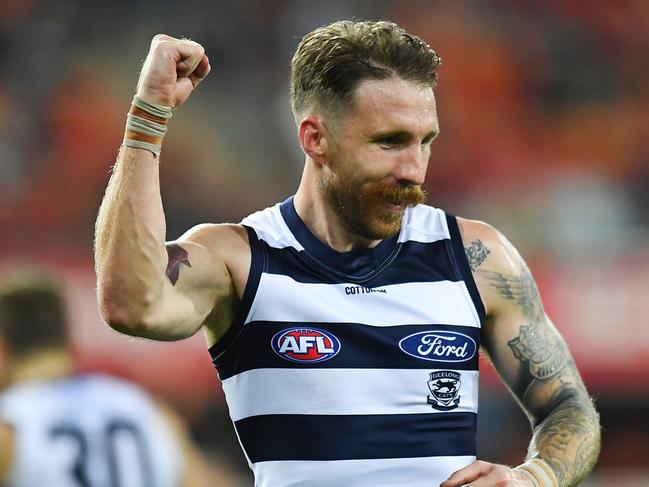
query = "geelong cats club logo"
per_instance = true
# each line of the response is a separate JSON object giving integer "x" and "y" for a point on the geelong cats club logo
{"x": 444, "y": 388}
{"x": 305, "y": 345}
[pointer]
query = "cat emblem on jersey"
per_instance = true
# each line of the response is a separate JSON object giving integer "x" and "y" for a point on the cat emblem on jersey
{"x": 444, "y": 388}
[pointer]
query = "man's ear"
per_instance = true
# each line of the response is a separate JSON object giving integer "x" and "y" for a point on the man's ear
{"x": 313, "y": 138}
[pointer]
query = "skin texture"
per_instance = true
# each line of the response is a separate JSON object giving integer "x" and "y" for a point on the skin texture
{"x": 360, "y": 173}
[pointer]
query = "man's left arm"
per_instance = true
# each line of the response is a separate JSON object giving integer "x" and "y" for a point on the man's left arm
{"x": 533, "y": 360}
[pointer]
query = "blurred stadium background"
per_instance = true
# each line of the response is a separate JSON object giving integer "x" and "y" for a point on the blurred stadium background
{"x": 543, "y": 107}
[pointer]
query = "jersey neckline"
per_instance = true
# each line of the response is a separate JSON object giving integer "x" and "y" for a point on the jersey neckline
{"x": 358, "y": 263}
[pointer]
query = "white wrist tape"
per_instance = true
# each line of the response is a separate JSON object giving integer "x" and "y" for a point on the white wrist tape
{"x": 539, "y": 472}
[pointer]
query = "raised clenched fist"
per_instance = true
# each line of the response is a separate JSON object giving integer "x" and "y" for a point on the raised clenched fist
{"x": 171, "y": 71}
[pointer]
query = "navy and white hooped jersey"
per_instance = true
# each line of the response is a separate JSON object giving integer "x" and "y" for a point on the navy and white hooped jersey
{"x": 88, "y": 431}
{"x": 357, "y": 368}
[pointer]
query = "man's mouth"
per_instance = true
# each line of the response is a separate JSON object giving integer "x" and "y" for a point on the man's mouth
{"x": 393, "y": 206}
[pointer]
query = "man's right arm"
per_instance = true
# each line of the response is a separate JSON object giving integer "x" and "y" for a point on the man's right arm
{"x": 146, "y": 287}
{"x": 6, "y": 450}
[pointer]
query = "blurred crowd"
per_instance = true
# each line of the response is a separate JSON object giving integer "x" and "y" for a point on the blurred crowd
{"x": 542, "y": 104}
{"x": 543, "y": 108}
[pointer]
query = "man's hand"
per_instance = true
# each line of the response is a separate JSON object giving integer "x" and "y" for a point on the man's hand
{"x": 171, "y": 71}
{"x": 485, "y": 474}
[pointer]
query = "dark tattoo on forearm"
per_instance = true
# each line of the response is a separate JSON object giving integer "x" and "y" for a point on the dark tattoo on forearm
{"x": 568, "y": 439}
{"x": 477, "y": 253}
{"x": 177, "y": 255}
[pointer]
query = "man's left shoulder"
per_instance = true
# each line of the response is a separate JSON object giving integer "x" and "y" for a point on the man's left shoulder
{"x": 487, "y": 248}
{"x": 477, "y": 230}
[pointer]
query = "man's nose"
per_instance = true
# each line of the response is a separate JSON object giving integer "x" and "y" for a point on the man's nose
{"x": 412, "y": 164}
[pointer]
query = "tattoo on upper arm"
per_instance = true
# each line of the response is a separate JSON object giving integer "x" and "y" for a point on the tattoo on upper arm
{"x": 543, "y": 353}
{"x": 177, "y": 255}
{"x": 521, "y": 289}
{"x": 536, "y": 345}
{"x": 477, "y": 253}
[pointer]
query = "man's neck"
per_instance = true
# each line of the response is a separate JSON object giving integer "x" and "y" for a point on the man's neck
{"x": 49, "y": 365}
{"x": 322, "y": 220}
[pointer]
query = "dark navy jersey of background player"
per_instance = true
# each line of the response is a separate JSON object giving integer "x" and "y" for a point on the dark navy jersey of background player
{"x": 357, "y": 368}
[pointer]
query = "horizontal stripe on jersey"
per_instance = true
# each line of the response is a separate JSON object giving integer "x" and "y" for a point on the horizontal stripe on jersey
{"x": 404, "y": 266}
{"x": 383, "y": 472}
{"x": 414, "y": 302}
{"x": 340, "y": 391}
{"x": 361, "y": 346}
{"x": 331, "y": 437}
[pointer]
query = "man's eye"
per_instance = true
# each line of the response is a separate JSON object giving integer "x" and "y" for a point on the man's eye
{"x": 390, "y": 141}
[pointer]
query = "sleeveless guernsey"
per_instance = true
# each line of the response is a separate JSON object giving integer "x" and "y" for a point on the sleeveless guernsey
{"x": 357, "y": 368}
{"x": 88, "y": 431}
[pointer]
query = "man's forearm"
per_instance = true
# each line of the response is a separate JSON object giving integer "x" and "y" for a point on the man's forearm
{"x": 130, "y": 256}
{"x": 568, "y": 439}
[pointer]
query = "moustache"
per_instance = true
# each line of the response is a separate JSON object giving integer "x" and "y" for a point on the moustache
{"x": 397, "y": 194}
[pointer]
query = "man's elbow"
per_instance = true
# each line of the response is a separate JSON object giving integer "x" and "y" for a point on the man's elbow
{"x": 124, "y": 313}
{"x": 572, "y": 402}
{"x": 123, "y": 321}
{"x": 141, "y": 316}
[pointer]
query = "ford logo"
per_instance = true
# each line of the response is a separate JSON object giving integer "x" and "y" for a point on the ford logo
{"x": 439, "y": 346}
{"x": 306, "y": 345}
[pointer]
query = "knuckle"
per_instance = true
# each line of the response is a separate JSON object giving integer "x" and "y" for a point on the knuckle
{"x": 194, "y": 45}
{"x": 158, "y": 38}
{"x": 163, "y": 47}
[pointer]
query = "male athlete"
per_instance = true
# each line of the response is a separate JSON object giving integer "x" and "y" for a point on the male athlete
{"x": 60, "y": 429}
{"x": 344, "y": 322}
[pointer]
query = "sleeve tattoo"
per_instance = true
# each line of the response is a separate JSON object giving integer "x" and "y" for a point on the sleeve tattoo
{"x": 566, "y": 433}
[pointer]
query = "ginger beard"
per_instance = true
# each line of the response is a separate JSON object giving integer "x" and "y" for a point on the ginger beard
{"x": 368, "y": 208}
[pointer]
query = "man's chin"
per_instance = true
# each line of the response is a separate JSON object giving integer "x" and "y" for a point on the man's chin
{"x": 385, "y": 227}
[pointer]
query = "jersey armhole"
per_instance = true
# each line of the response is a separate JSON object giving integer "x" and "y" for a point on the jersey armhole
{"x": 461, "y": 263}
{"x": 257, "y": 260}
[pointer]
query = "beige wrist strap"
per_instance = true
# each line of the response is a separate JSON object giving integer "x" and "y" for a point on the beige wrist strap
{"x": 539, "y": 472}
{"x": 146, "y": 125}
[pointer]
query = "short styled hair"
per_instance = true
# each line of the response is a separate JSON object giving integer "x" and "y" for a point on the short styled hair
{"x": 33, "y": 314}
{"x": 333, "y": 60}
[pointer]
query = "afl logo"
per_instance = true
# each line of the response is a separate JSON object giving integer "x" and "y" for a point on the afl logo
{"x": 305, "y": 345}
{"x": 439, "y": 346}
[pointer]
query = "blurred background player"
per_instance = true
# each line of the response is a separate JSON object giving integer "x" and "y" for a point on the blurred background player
{"x": 62, "y": 429}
